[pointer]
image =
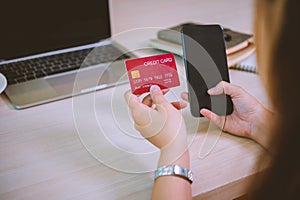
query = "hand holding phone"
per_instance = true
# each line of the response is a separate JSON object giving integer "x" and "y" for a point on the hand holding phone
{"x": 206, "y": 65}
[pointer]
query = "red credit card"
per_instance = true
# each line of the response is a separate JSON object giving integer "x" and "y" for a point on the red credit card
{"x": 153, "y": 70}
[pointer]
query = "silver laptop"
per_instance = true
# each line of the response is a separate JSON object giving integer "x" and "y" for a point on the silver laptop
{"x": 44, "y": 44}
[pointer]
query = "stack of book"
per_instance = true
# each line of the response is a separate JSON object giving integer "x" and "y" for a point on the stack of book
{"x": 239, "y": 46}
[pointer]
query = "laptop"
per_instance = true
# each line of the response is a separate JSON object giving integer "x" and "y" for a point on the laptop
{"x": 45, "y": 44}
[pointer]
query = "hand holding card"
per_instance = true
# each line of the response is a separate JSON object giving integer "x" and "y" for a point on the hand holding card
{"x": 153, "y": 70}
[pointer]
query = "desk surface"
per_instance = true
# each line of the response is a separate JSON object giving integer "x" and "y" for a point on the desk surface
{"x": 55, "y": 150}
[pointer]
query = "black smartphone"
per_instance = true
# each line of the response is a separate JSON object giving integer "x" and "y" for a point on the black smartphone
{"x": 206, "y": 65}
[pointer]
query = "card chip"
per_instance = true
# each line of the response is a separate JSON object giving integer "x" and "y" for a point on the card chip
{"x": 135, "y": 74}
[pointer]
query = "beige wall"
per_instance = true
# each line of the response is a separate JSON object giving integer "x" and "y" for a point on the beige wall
{"x": 170, "y": 12}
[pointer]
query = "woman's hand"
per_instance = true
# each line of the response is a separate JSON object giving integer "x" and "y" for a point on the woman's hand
{"x": 249, "y": 115}
{"x": 147, "y": 100}
{"x": 162, "y": 125}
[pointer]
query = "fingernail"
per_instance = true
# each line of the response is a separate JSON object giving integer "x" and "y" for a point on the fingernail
{"x": 154, "y": 88}
{"x": 211, "y": 90}
{"x": 201, "y": 110}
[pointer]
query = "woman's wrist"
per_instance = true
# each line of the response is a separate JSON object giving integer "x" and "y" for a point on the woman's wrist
{"x": 261, "y": 127}
{"x": 175, "y": 153}
{"x": 170, "y": 158}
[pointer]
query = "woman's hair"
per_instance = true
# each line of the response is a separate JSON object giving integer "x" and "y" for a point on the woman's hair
{"x": 277, "y": 35}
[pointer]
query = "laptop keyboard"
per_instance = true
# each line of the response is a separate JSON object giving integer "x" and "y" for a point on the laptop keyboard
{"x": 27, "y": 70}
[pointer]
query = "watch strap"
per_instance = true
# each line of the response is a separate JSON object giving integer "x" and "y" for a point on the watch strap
{"x": 174, "y": 170}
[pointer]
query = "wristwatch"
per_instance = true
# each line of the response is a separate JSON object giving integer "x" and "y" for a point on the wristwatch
{"x": 174, "y": 170}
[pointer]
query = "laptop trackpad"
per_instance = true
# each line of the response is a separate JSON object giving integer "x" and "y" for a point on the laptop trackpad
{"x": 30, "y": 92}
{"x": 65, "y": 85}
{"x": 62, "y": 84}
{"x": 89, "y": 80}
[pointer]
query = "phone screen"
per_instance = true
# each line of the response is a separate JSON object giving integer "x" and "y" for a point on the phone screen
{"x": 206, "y": 65}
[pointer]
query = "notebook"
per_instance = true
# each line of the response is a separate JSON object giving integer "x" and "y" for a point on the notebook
{"x": 44, "y": 45}
{"x": 249, "y": 64}
{"x": 238, "y": 45}
{"x": 234, "y": 40}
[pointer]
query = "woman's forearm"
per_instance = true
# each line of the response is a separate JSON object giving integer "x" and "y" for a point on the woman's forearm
{"x": 172, "y": 187}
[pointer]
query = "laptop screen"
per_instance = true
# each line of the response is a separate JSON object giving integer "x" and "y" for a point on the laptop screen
{"x": 37, "y": 26}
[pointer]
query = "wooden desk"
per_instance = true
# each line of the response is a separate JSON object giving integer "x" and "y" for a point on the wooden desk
{"x": 49, "y": 152}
